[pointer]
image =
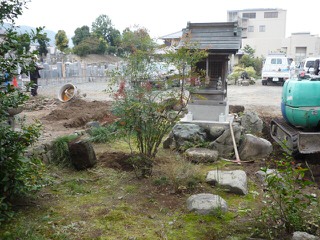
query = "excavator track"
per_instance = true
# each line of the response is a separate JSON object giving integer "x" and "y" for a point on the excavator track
{"x": 292, "y": 140}
{"x": 285, "y": 135}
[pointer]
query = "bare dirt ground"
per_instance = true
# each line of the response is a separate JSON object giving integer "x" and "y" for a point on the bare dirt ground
{"x": 93, "y": 104}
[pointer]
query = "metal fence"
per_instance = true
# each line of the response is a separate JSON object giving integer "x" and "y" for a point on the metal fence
{"x": 76, "y": 72}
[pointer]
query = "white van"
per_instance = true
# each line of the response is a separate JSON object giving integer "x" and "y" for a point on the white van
{"x": 306, "y": 65}
{"x": 276, "y": 69}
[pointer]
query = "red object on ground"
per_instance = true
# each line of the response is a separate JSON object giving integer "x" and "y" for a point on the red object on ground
{"x": 15, "y": 82}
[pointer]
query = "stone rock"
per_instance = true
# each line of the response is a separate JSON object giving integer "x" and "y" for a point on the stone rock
{"x": 254, "y": 147}
{"x": 261, "y": 175}
{"x": 234, "y": 181}
{"x": 251, "y": 122}
{"x": 224, "y": 144}
{"x": 82, "y": 154}
{"x": 201, "y": 155}
{"x": 245, "y": 83}
{"x": 216, "y": 131}
{"x": 304, "y": 236}
{"x": 93, "y": 124}
{"x": 206, "y": 203}
{"x": 187, "y": 133}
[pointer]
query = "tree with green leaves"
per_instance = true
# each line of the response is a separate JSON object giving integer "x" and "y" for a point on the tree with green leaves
{"x": 19, "y": 174}
{"x": 61, "y": 40}
{"x": 136, "y": 39}
{"x": 102, "y": 28}
{"x": 80, "y": 34}
{"x": 247, "y": 49}
{"x": 90, "y": 45}
{"x": 249, "y": 60}
{"x": 43, "y": 45}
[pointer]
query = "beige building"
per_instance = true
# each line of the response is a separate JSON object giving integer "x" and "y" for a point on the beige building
{"x": 262, "y": 29}
{"x": 301, "y": 45}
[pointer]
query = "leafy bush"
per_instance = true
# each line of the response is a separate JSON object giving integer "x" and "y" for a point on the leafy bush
{"x": 238, "y": 70}
{"x": 288, "y": 207}
{"x": 19, "y": 175}
{"x": 144, "y": 116}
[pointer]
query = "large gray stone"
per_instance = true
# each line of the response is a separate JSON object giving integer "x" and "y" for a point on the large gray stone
{"x": 190, "y": 133}
{"x": 262, "y": 175}
{"x": 216, "y": 131}
{"x": 251, "y": 122}
{"x": 234, "y": 181}
{"x": 224, "y": 143}
{"x": 201, "y": 155}
{"x": 254, "y": 148}
{"x": 206, "y": 203}
{"x": 304, "y": 236}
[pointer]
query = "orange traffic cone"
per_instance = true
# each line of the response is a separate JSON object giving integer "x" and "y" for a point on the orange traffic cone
{"x": 15, "y": 82}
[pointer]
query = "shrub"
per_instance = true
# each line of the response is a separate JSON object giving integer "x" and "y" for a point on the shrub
{"x": 288, "y": 207}
{"x": 144, "y": 116}
{"x": 19, "y": 175}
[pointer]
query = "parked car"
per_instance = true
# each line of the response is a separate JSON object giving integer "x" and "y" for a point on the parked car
{"x": 307, "y": 65}
{"x": 276, "y": 69}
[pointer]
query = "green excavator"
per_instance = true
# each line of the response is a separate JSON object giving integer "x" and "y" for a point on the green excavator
{"x": 299, "y": 129}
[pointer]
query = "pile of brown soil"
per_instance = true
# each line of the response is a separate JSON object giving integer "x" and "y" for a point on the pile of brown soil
{"x": 116, "y": 160}
{"x": 78, "y": 112}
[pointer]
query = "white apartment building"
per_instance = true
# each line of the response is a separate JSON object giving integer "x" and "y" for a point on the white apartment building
{"x": 262, "y": 29}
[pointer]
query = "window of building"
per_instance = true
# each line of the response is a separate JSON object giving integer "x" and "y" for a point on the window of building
{"x": 271, "y": 15}
{"x": 249, "y": 15}
{"x": 250, "y": 28}
{"x": 301, "y": 52}
{"x": 262, "y": 28}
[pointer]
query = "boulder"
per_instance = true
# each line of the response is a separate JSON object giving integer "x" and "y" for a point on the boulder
{"x": 251, "y": 122}
{"x": 224, "y": 144}
{"x": 304, "y": 236}
{"x": 253, "y": 147}
{"x": 82, "y": 154}
{"x": 262, "y": 175}
{"x": 187, "y": 133}
{"x": 234, "y": 181}
{"x": 206, "y": 203}
{"x": 201, "y": 155}
{"x": 216, "y": 131}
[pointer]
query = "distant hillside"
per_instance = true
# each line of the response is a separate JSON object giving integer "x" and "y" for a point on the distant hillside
{"x": 28, "y": 29}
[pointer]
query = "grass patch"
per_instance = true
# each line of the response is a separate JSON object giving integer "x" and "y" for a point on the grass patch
{"x": 60, "y": 151}
{"x": 104, "y": 203}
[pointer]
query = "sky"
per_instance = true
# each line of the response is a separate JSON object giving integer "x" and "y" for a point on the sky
{"x": 160, "y": 18}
